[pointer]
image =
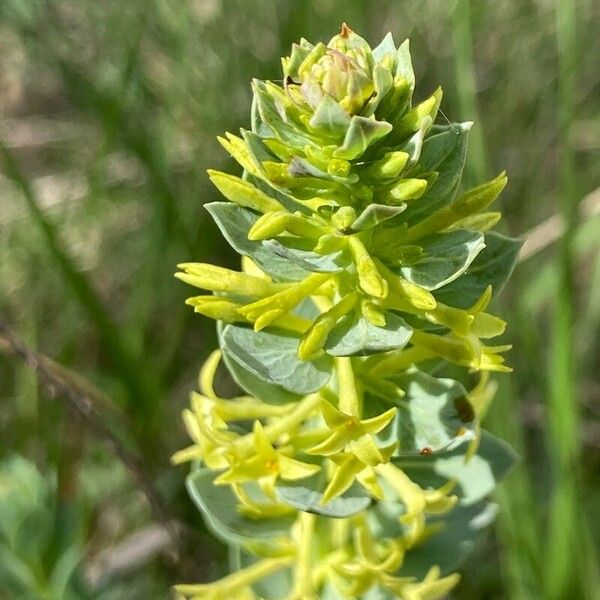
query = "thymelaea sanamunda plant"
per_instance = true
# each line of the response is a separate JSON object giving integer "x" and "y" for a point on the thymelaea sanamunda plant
{"x": 353, "y": 465}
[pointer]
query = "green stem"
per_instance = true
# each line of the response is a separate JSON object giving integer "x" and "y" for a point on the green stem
{"x": 303, "y": 586}
{"x": 348, "y": 395}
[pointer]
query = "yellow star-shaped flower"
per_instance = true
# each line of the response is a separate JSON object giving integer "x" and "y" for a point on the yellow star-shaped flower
{"x": 348, "y": 468}
{"x": 266, "y": 465}
{"x": 352, "y": 434}
{"x": 372, "y": 560}
{"x": 210, "y": 436}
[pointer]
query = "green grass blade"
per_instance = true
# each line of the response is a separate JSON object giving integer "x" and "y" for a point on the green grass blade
{"x": 565, "y": 522}
{"x": 141, "y": 391}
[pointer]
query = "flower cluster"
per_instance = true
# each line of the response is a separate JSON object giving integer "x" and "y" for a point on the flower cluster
{"x": 348, "y": 469}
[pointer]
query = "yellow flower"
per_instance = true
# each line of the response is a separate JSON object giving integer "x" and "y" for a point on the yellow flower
{"x": 266, "y": 464}
{"x": 350, "y": 433}
{"x": 206, "y": 423}
{"x": 348, "y": 468}
{"x": 417, "y": 501}
{"x": 371, "y": 561}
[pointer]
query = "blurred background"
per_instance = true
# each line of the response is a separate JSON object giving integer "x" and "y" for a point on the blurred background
{"x": 108, "y": 117}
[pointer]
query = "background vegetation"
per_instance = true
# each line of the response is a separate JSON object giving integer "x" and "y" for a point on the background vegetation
{"x": 108, "y": 117}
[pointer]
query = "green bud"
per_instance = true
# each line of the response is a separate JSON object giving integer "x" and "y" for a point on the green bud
{"x": 407, "y": 189}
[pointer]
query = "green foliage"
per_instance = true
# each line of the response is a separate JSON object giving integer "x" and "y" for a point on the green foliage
{"x": 111, "y": 110}
{"x": 42, "y": 549}
{"x": 273, "y": 357}
{"x": 355, "y": 335}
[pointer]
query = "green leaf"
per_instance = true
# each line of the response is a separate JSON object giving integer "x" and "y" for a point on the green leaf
{"x": 253, "y": 385}
{"x": 235, "y": 223}
{"x": 493, "y": 266}
{"x": 219, "y": 507}
{"x": 449, "y": 171}
{"x": 361, "y": 134}
{"x": 272, "y": 356}
{"x": 437, "y": 146}
{"x": 330, "y": 117}
{"x": 414, "y": 145}
{"x": 375, "y": 214}
{"x": 306, "y": 495}
{"x": 460, "y": 529}
{"x": 446, "y": 256}
{"x": 308, "y": 260}
{"x": 296, "y": 58}
{"x": 270, "y": 115}
{"x": 475, "y": 479}
{"x": 434, "y": 415}
{"x": 387, "y": 47}
{"x": 354, "y": 335}
{"x": 404, "y": 66}
{"x": 383, "y": 81}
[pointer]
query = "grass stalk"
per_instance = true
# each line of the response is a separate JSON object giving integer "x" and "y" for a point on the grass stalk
{"x": 140, "y": 389}
{"x": 565, "y": 524}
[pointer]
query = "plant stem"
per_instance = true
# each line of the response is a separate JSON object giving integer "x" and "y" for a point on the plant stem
{"x": 303, "y": 586}
{"x": 347, "y": 393}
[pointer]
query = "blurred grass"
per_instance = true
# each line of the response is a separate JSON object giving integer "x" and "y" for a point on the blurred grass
{"x": 110, "y": 112}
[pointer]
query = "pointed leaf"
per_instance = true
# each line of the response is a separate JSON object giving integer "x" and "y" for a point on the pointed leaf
{"x": 438, "y": 145}
{"x": 404, "y": 66}
{"x": 354, "y": 335}
{"x": 307, "y": 259}
{"x": 330, "y": 117}
{"x": 386, "y": 47}
{"x": 235, "y": 222}
{"x": 492, "y": 266}
{"x": 434, "y": 415}
{"x": 476, "y": 478}
{"x": 449, "y": 170}
{"x": 270, "y": 393}
{"x": 306, "y": 495}
{"x": 361, "y": 134}
{"x": 375, "y": 214}
{"x": 445, "y": 257}
{"x": 461, "y": 529}
{"x": 273, "y": 357}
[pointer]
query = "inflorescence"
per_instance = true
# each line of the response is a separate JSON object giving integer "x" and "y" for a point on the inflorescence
{"x": 354, "y": 465}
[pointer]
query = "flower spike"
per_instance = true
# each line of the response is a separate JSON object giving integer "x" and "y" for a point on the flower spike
{"x": 353, "y": 328}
